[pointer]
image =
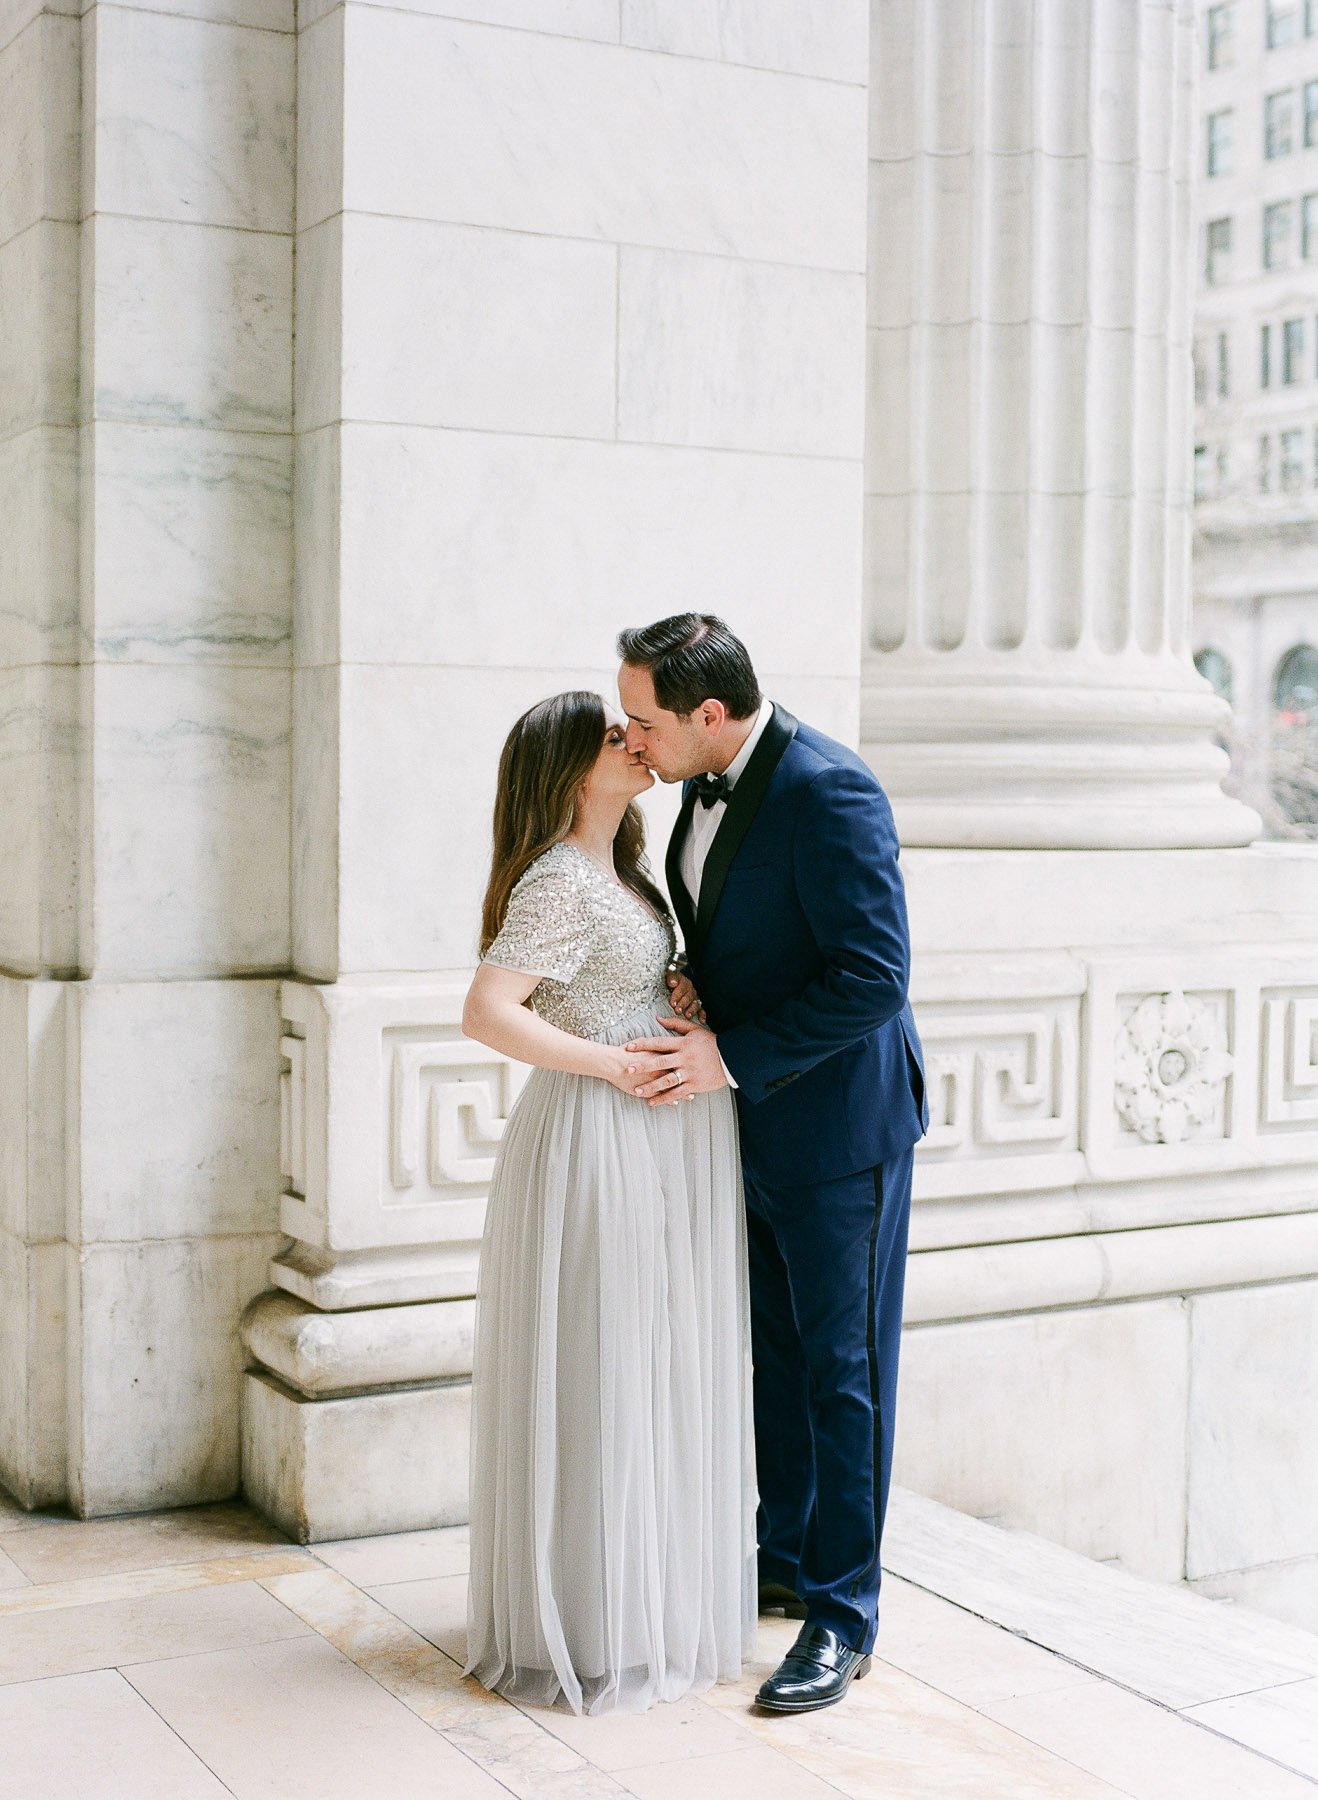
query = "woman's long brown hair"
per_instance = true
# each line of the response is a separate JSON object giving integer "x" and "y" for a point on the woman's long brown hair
{"x": 547, "y": 755}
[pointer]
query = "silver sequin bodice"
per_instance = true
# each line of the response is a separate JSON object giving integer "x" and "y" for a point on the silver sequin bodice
{"x": 600, "y": 952}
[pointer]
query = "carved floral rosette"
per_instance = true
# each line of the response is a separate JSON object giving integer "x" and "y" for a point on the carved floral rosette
{"x": 1171, "y": 1067}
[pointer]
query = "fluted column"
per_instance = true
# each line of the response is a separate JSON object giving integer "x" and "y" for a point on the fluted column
{"x": 1028, "y": 677}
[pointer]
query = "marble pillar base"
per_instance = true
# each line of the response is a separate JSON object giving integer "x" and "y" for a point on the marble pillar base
{"x": 358, "y": 1465}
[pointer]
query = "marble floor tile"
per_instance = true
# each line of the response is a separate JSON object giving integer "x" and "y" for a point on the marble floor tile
{"x": 400, "y": 1659}
{"x": 963, "y": 1655}
{"x": 894, "y": 1736}
{"x": 756, "y": 1773}
{"x": 526, "y": 1758}
{"x": 299, "y": 1721}
{"x": 1161, "y": 1641}
{"x": 1282, "y": 1723}
{"x": 11, "y": 1576}
{"x": 139, "y": 1541}
{"x": 1147, "y": 1751}
{"x": 80, "y": 1736}
{"x": 113, "y": 1633}
{"x": 671, "y": 1732}
{"x": 437, "y": 1609}
{"x": 174, "y": 1578}
{"x": 401, "y": 1556}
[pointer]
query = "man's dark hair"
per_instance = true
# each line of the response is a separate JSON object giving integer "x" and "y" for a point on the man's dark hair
{"x": 693, "y": 657}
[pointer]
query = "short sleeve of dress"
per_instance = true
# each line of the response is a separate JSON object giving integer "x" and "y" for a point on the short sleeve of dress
{"x": 546, "y": 930}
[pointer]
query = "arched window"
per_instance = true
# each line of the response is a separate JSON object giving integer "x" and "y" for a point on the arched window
{"x": 1295, "y": 690}
{"x": 1214, "y": 667}
{"x": 1295, "y": 741}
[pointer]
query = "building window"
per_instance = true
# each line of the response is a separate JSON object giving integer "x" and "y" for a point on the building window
{"x": 1223, "y": 365}
{"x": 1265, "y": 464}
{"x": 1223, "y": 469}
{"x": 1221, "y": 36}
{"x": 1276, "y": 234}
{"x": 1295, "y": 689}
{"x": 1200, "y": 376}
{"x": 1217, "y": 252}
{"x": 1214, "y": 667}
{"x": 1311, "y": 18}
{"x": 1278, "y": 124}
{"x": 1292, "y": 351}
{"x": 1201, "y": 471}
{"x": 1221, "y": 142}
{"x": 1292, "y": 460}
{"x": 1309, "y": 227}
{"x": 1265, "y": 356}
{"x": 1283, "y": 23}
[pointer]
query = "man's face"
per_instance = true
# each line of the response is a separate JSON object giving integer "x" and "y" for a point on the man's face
{"x": 673, "y": 746}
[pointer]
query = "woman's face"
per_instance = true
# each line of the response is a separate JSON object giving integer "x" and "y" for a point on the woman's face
{"x": 616, "y": 774}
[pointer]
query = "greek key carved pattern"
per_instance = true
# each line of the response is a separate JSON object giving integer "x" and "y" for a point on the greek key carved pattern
{"x": 1002, "y": 1082}
{"x": 1288, "y": 1041}
{"x": 293, "y": 1114}
{"x": 447, "y": 1111}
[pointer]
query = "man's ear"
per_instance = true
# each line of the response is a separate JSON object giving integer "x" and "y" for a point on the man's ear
{"x": 714, "y": 713}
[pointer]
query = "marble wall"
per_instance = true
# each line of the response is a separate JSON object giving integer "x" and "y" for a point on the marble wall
{"x": 145, "y": 647}
{"x": 580, "y": 342}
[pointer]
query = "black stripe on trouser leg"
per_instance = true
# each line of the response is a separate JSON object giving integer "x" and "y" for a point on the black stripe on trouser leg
{"x": 876, "y": 1388}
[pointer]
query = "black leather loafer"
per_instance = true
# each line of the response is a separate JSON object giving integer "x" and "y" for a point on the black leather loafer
{"x": 776, "y": 1596}
{"x": 817, "y": 1671}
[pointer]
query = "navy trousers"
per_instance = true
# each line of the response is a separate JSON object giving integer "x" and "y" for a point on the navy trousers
{"x": 827, "y": 1265}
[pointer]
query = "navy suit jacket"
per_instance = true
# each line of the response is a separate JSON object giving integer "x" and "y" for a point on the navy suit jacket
{"x": 801, "y": 954}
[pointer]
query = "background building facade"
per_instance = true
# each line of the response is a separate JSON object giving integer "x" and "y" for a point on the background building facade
{"x": 367, "y": 368}
{"x": 1256, "y": 392}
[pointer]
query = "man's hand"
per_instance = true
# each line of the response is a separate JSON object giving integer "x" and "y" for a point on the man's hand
{"x": 690, "y": 1067}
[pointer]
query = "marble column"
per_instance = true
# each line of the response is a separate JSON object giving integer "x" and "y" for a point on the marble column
{"x": 1028, "y": 678}
{"x": 145, "y": 626}
{"x": 580, "y": 342}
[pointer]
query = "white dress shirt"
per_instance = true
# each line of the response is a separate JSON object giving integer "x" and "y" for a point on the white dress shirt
{"x": 705, "y": 820}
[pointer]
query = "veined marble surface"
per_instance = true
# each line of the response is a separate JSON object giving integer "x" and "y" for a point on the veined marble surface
{"x": 289, "y": 1675}
{"x": 209, "y": 515}
{"x": 593, "y": 141}
{"x": 193, "y": 120}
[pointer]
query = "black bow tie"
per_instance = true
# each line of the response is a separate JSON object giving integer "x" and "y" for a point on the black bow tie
{"x": 710, "y": 788}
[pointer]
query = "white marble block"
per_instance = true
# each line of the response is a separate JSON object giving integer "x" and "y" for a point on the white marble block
{"x": 177, "y": 1114}
{"x": 1253, "y": 1448}
{"x": 189, "y": 538}
{"x": 190, "y": 819}
{"x": 192, "y": 119}
{"x": 359, "y": 1466}
{"x": 154, "y": 1420}
{"x": 1069, "y": 1424}
{"x": 33, "y": 1453}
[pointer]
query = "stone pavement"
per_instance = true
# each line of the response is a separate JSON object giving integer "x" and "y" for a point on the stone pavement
{"x": 194, "y": 1654}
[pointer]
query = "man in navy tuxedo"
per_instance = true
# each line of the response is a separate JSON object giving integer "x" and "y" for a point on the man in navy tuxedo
{"x": 783, "y": 873}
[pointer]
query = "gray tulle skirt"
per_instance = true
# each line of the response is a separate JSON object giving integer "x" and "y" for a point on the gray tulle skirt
{"x": 612, "y": 1458}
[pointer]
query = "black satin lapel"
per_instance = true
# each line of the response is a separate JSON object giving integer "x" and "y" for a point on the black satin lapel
{"x": 677, "y": 892}
{"x": 750, "y": 789}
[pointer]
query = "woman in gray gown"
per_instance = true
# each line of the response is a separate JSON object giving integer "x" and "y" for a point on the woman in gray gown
{"x": 612, "y": 1477}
